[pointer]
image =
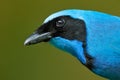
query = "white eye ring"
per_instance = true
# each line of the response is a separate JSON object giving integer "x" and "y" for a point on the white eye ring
{"x": 60, "y": 23}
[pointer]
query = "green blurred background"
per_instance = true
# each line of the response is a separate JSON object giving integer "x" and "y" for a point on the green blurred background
{"x": 18, "y": 19}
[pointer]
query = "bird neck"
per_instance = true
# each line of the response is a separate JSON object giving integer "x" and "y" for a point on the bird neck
{"x": 73, "y": 47}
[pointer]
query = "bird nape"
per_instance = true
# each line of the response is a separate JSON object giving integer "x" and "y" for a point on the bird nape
{"x": 91, "y": 36}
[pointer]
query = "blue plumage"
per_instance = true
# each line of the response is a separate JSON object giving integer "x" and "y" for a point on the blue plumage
{"x": 74, "y": 47}
{"x": 98, "y": 48}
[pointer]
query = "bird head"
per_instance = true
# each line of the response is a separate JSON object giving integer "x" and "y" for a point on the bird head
{"x": 64, "y": 29}
{"x": 87, "y": 35}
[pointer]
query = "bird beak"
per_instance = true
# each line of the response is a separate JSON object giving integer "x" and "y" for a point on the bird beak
{"x": 37, "y": 38}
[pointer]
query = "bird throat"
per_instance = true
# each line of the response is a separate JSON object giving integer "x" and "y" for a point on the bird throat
{"x": 73, "y": 47}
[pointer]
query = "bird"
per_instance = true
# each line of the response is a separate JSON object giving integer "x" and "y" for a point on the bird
{"x": 92, "y": 37}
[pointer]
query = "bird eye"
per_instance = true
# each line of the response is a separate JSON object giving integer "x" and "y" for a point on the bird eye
{"x": 60, "y": 23}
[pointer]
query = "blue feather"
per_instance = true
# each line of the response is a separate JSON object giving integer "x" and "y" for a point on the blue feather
{"x": 72, "y": 46}
{"x": 103, "y": 41}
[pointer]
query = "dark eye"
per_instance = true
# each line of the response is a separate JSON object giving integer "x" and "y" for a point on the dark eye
{"x": 60, "y": 23}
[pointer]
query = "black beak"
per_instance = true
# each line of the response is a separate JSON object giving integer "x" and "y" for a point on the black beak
{"x": 36, "y": 38}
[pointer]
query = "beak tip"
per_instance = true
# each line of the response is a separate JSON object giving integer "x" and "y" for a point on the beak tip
{"x": 26, "y": 43}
